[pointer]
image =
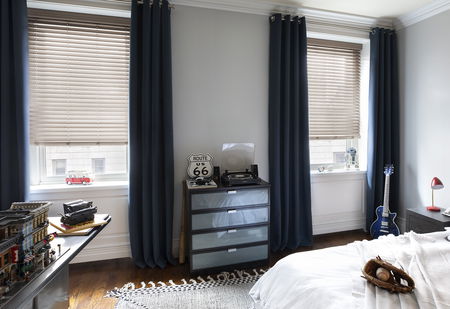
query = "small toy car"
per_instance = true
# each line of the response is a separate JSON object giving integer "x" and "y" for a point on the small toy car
{"x": 79, "y": 177}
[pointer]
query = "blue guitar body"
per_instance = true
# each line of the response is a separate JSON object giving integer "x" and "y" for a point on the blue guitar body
{"x": 384, "y": 225}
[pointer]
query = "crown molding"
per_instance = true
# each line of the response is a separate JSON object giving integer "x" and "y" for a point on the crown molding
{"x": 264, "y": 7}
{"x": 96, "y": 7}
{"x": 261, "y": 7}
{"x": 427, "y": 11}
{"x": 318, "y": 19}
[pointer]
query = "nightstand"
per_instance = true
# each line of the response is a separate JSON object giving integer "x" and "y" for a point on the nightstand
{"x": 420, "y": 220}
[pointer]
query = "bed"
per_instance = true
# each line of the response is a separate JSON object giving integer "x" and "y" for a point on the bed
{"x": 331, "y": 277}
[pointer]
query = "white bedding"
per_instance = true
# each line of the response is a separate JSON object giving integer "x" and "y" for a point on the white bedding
{"x": 331, "y": 278}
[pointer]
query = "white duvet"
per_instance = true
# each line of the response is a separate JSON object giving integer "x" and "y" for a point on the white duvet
{"x": 331, "y": 278}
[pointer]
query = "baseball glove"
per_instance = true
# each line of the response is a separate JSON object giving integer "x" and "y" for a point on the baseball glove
{"x": 387, "y": 276}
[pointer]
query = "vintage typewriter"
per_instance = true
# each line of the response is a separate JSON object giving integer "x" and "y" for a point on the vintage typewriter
{"x": 77, "y": 212}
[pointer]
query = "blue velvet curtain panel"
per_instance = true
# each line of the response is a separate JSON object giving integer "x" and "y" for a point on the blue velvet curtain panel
{"x": 13, "y": 102}
{"x": 289, "y": 168}
{"x": 383, "y": 136}
{"x": 151, "y": 135}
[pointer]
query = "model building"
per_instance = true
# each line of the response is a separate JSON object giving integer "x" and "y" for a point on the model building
{"x": 24, "y": 242}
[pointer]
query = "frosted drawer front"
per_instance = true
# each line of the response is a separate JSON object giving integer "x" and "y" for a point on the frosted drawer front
{"x": 229, "y": 257}
{"x": 229, "y": 237}
{"x": 230, "y": 218}
{"x": 230, "y": 198}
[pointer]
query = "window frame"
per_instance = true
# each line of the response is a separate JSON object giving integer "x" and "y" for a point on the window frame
{"x": 39, "y": 170}
{"x": 37, "y": 156}
{"x": 339, "y": 166}
{"x": 364, "y": 102}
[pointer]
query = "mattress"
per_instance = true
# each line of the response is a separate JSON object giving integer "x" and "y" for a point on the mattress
{"x": 331, "y": 277}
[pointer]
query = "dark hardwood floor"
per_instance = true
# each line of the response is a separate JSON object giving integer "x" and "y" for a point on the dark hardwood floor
{"x": 90, "y": 281}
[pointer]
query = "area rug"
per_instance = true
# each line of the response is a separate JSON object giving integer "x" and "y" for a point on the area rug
{"x": 223, "y": 291}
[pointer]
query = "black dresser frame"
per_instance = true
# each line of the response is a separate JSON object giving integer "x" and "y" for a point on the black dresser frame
{"x": 190, "y": 233}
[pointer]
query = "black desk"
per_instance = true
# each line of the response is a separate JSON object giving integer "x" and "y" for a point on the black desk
{"x": 420, "y": 220}
{"x": 50, "y": 288}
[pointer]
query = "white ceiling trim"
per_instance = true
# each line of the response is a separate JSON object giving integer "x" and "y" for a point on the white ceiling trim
{"x": 355, "y": 23}
{"x": 427, "y": 11}
{"x": 261, "y": 7}
{"x": 319, "y": 21}
{"x": 250, "y": 6}
{"x": 120, "y": 10}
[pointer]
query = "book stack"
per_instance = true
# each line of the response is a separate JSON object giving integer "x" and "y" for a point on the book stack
{"x": 81, "y": 229}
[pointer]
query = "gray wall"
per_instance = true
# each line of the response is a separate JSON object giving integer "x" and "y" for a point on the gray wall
{"x": 220, "y": 84}
{"x": 424, "y": 63}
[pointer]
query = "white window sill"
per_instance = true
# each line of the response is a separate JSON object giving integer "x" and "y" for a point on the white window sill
{"x": 338, "y": 175}
{"x": 64, "y": 191}
{"x": 339, "y": 172}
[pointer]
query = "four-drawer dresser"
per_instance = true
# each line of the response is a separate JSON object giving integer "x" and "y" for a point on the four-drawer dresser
{"x": 228, "y": 227}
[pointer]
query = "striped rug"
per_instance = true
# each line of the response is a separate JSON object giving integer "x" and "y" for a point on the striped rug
{"x": 222, "y": 291}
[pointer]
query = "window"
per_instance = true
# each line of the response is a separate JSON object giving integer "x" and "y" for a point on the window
{"x": 59, "y": 167}
{"x": 90, "y": 158}
{"x": 334, "y": 78}
{"x": 6, "y": 258}
{"x": 78, "y": 94}
{"x": 98, "y": 165}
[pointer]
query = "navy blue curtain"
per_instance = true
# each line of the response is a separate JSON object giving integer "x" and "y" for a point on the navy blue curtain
{"x": 289, "y": 168}
{"x": 151, "y": 135}
{"x": 383, "y": 136}
{"x": 13, "y": 102}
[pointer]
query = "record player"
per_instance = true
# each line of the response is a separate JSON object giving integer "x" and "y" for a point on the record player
{"x": 241, "y": 178}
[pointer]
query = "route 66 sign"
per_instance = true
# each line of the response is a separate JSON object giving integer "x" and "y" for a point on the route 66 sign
{"x": 200, "y": 165}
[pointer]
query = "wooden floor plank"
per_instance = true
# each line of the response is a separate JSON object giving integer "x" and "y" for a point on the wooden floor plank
{"x": 89, "y": 282}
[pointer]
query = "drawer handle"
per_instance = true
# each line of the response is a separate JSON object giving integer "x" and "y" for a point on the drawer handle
{"x": 232, "y": 250}
{"x": 232, "y": 192}
{"x": 232, "y": 211}
{"x": 232, "y": 231}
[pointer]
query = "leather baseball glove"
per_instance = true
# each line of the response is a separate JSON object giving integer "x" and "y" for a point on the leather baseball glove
{"x": 389, "y": 277}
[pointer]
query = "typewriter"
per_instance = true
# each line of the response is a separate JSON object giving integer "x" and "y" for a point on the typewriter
{"x": 77, "y": 212}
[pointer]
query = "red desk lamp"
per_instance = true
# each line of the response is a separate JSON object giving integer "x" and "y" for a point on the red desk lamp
{"x": 436, "y": 184}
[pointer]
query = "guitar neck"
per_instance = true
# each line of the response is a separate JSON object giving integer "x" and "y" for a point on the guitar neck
{"x": 386, "y": 196}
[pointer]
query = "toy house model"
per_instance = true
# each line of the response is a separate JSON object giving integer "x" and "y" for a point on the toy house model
{"x": 39, "y": 211}
{"x": 8, "y": 268}
{"x": 23, "y": 242}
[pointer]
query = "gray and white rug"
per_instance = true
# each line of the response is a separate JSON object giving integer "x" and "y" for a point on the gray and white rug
{"x": 225, "y": 291}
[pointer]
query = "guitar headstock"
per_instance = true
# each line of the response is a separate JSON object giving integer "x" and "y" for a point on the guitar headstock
{"x": 389, "y": 169}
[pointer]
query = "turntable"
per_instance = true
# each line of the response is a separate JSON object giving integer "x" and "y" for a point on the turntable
{"x": 240, "y": 178}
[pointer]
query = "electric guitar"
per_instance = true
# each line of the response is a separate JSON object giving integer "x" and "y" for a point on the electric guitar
{"x": 384, "y": 224}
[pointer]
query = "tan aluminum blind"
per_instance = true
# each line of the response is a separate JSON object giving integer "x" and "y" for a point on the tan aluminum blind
{"x": 78, "y": 79}
{"x": 334, "y": 89}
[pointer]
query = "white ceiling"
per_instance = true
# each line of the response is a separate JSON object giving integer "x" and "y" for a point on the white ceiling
{"x": 369, "y": 8}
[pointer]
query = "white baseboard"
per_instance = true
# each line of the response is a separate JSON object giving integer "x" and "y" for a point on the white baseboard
{"x": 114, "y": 246}
{"x": 105, "y": 247}
{"x": 109, "y": 247}
{"x": 339, "y": 222}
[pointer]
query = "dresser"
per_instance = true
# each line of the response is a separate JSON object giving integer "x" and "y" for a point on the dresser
{"x": 227, "y": 227}
{"x": 420, "y": 220}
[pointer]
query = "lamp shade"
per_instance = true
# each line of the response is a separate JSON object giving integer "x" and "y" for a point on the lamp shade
{"x": 436, "y": 184}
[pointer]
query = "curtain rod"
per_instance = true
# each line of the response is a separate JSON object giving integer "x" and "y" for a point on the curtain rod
{"x": 171, "y": 6}
{"x": 283, "y": 17}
